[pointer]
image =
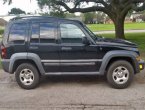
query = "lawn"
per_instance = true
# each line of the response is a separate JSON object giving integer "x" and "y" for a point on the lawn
{"x": 2, "y": 27}
{"x": 138, "y": 38}
{"x": 128, "y": 26}
{"x": 1, "y": 31}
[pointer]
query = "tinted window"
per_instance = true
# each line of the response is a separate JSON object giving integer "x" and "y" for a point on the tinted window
{"x": 71, "y": 33}
{"x": 47, "y": 32}
{"x": 35, "y": 33}
{"x": 18, "y": 33}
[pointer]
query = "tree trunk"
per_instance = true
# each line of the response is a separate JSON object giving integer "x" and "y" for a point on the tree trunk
{"x": 119, "y": 27}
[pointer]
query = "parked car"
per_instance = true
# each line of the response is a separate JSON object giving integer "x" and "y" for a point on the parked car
{"x": 39, "y": 46}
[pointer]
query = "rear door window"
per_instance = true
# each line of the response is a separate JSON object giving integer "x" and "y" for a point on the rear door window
{"x": 44, "y": 33}
{"x": 48, "y": 33}
{"x": 17, "y": 33}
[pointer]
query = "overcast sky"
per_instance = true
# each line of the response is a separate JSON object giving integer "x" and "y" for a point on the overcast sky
{"x": 25, "y": 5}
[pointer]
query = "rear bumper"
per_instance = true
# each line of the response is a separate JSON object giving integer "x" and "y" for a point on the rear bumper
{"x": 5, "y": 65}
{"x": 141, "y": 64}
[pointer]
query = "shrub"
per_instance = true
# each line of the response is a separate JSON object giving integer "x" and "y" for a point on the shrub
{"x": 1, "y": 31}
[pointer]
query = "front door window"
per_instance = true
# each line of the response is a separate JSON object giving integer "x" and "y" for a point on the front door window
{"x": 71, "y": 33}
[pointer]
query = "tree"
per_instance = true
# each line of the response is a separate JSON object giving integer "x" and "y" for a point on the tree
{"x": 70, "y": 15}
{"x": 143, "y": 16}
{"x": 9, "y": 1}
{"x": 89, "y": 17}
{"x": 101, "y": 17}
{"x": 57, "y": 13}
{"x": 52, "y": 10}
{"x": 115, "y": 9}
{"x": 16, "y": 11}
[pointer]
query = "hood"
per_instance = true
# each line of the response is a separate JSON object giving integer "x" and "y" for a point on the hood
{"x": 115, "y": 42}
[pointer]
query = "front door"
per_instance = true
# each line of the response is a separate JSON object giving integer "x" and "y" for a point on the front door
{"x": 76, "y": 56}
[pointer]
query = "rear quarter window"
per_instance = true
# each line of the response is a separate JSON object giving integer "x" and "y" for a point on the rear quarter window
{"x": 17, "y": 34}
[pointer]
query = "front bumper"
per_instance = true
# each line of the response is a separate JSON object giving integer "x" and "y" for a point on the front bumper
{"x": 141, "y": 64}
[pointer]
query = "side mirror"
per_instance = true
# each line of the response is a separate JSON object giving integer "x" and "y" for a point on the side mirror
{"x": 85, "y": 41}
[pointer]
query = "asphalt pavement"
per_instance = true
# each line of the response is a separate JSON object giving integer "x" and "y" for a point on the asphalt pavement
{"x": 72, "y": 93}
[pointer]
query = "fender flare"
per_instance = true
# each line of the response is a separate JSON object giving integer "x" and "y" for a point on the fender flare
{"x": 120, "y": 53}
{"x": 26, "y": 56}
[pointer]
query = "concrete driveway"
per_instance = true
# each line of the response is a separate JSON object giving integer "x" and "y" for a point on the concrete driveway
{"x": 71, "y": 93}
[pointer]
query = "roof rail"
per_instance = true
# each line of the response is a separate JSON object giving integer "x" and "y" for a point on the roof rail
{"x": 25, "y": 17}
{"x": 43, "y": 17}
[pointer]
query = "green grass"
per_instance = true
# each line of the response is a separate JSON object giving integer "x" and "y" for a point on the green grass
{"x": 2, "y": 27}
{"x": 109, "y": 27}
{"x": 138, "y": 38}
{"x": 1, "y": 31}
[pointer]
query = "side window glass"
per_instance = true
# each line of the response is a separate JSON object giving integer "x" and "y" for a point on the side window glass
{"x": 71, "y": 33}
{"x": 35, "y": 33}
{"x": 17, "y": 33}
{"x": 48, "y": 33}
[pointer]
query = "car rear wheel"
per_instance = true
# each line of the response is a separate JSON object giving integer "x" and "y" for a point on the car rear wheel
{"x": 120, "y": 74}
{"x": 27, "y": 76}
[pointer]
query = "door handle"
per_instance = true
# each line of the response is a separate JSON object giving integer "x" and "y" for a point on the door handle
{"x": 33, "y": 47}
{"x": 66, "y": 48}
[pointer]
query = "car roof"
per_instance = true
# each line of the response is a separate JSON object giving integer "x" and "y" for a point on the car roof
{"x": 40, "y": 18}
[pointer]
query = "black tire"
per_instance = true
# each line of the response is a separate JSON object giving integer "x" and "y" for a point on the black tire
{"x": 113, "y": 67}
{"x": 33, "y": 69}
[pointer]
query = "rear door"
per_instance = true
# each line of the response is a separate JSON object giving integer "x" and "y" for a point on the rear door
{"x": 43, "y": 42}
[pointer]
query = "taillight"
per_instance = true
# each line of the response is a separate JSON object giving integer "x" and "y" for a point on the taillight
{"x": 3, "y": 51}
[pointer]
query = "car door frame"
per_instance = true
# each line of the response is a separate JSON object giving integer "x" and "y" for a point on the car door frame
{"x": 32, "y": 45}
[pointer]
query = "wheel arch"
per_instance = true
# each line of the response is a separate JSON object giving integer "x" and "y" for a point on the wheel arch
{"x": 20, "y": 58}
{"x": 126, "y": 58}
{"x": 112, "y": 56}
{"x": 21, "y": 61}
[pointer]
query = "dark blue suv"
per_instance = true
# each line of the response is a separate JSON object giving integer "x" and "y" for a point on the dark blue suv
{"x": 38, "y": 46}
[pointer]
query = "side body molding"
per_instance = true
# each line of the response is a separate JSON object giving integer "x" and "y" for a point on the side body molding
{"x": 115, "y": 54}
{"x": 26, "y": 56}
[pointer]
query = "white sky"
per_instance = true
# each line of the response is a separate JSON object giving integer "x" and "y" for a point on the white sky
{"x": 25, "y": 5}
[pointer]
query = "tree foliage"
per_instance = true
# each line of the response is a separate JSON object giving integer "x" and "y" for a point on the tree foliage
{"x": 7, "y": 1}
{"x": 17, "y": 11}
{"x": 89, "y": 17}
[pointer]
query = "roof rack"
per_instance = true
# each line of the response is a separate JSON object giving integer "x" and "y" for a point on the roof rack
{"x": 42, "y": 17}
{"x": 25, "y": 17}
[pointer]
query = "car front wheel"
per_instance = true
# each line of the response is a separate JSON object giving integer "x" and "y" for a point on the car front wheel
{"x": 120, "y": 74}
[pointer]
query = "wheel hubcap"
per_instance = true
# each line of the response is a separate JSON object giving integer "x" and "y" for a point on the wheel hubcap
{"x": 120, "y": 75}
{"x": 26, "y": 76}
